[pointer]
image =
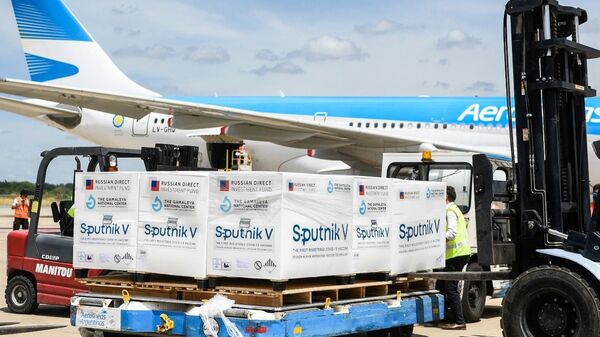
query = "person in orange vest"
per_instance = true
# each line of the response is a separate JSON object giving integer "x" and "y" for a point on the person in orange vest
{"x": 21, "y": 207}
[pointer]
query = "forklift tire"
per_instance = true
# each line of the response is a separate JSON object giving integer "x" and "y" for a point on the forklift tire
{"x": 550, "y": 301}
{"x": 21, "y": 295}
{"x": 399, "y": 331}
{"x": 474, "y": 294}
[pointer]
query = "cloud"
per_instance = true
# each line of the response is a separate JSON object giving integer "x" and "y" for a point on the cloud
{"x": 328, "y": 48}
{"x": 441, "y": 85}
{"x": 481, "y": 86}
{"x": 267, "y": 55}
{"x": 457, "y": 39}
{"x": 127, "y": 31}
{"x": 382, "y": 27}
{"x": 156, "y": 51}
{"x": 206, "y": 55}
{"x": 287, "y": 67}
{"x": 124, "y": 9}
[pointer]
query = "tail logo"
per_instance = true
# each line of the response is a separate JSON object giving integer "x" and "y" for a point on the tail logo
{"x": 47, "y": 20}
{"x": 42, "y": 69}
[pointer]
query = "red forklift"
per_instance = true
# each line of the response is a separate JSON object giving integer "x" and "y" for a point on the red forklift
{"x": 39, "y": 260}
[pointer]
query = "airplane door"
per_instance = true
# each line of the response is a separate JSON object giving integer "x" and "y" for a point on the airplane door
{"x": 140, "y": 126}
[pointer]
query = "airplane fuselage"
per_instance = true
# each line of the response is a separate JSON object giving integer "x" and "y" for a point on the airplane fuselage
{"x": 471, "y": 121}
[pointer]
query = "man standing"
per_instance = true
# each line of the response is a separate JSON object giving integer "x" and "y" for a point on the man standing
{"x": 21, "y": 207}
{"x": 458, "y": 252}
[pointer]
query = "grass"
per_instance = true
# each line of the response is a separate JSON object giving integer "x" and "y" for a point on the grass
{"x": 52, "y": 192}
{"x": 7, "y": 200}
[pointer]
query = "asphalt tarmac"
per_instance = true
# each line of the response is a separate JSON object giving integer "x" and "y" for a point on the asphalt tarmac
{"x": 489, "y": 326}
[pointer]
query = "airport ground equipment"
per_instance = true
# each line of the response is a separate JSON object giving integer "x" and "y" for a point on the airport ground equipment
{"x": 139, "y": 314}
{"x": 555, "y": 267}
{"x": 555, "y": 290}
{"x": 39, "y": 261}
{"x": 460, "y": 170}
{"x": 40, "y": 271}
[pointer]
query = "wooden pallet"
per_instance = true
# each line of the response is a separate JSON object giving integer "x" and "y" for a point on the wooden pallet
{"x": 255, "y": 292}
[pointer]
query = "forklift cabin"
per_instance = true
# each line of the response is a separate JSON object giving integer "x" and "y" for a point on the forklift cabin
{"x": 39, "y": 260}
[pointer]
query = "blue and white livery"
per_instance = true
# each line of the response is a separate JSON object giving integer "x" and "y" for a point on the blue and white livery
{"x": 76, "y": 87}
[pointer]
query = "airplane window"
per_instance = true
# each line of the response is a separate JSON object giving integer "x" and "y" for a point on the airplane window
{"x": 435, "y": 126}
{"x": 384, "y": 125}
{"x": 418, "y": 125}
{"x": 471, "y": 126}
{"x": 445, "y": 126}
{"x": 351, "y": 124}
{"x": 401, "y": 125}
{"x": 375, "y": 125}
{"x": 155, "y": 120}
{"x": 359, "y": 124}
{"x": 393, "y": 125}
{"x": 367, "y": 125}
{"x": 162, "y": 121}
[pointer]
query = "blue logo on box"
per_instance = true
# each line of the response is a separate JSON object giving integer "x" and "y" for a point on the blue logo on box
{"x": 91, "y": 202}
{"x": 225, "y": 205}
{"x": 157, "y": 205}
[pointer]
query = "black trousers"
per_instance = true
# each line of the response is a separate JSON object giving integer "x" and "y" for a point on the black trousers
{"x": 19, "y": 222}
{"x": 454, "y": 310}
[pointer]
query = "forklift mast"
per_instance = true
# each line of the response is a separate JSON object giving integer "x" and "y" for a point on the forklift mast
{"x": 550, "y": 85}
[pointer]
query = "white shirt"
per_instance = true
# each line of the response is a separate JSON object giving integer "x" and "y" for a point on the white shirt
{"x": 452, "y": 221}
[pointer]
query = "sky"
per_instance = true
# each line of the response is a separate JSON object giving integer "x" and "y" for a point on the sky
{"x": 252, "y": 47}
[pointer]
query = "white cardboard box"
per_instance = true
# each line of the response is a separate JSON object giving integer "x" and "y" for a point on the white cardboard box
{"x": 279, "y": 226}
{"x": 371, "y": 225}
{"x": 105, "y": 224}
{"x": 173, "y": 215}
{"x": 418, "y": 235}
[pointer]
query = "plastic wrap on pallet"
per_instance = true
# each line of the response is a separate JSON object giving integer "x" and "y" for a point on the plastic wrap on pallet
{"x": 106, "y": 215}
{"x": 279, "y": 226}
{"x": 418, "y": 237}
{"x": 173, "y": 217}
{"x": 371, "y": 225}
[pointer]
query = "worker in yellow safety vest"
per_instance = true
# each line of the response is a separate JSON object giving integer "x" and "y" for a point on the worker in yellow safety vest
{"x": 458, "y": 251}
{"x": 21, "y": 207}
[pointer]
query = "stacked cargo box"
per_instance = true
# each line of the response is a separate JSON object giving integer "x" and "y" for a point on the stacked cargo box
{"x": 173, "y": 213}
{"x": 371, "y": 225}
{"x": 259, "y": 225}
{"x": 279, "y": 226}
{"x": 105, "y": 224}
{"x": 418, "y": 235}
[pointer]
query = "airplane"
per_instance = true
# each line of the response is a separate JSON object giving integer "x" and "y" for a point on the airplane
{"x": 76, "y": 87}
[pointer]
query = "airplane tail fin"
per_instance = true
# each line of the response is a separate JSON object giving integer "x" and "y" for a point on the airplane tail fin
{"x": 59, "y": 50}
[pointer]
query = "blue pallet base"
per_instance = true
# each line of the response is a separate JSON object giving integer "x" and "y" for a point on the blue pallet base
{"x": 359, "y": 317}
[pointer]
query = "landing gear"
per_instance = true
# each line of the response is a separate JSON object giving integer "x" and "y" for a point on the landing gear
{"x": 550, "y": 301}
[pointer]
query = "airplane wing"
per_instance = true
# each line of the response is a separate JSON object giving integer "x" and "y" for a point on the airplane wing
{"x": 33, "y": 110}
{"x": 252, "y": 125}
